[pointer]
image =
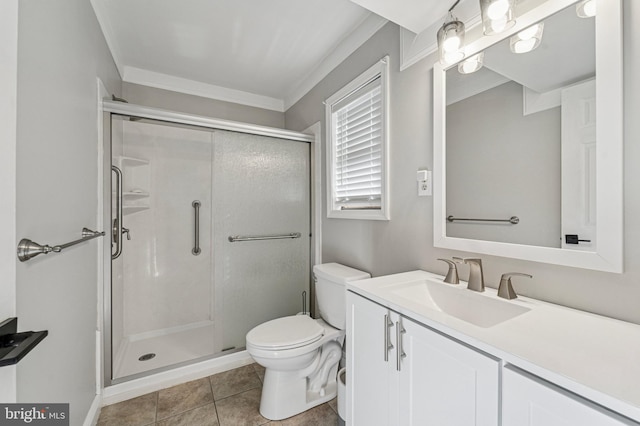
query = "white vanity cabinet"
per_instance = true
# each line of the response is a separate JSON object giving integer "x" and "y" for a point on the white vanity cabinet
{"x": 529, "y": 401}
{"x": 400, "y": 372}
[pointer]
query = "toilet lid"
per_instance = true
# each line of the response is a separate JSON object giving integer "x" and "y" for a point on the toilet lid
{"x": 285, "y": 333}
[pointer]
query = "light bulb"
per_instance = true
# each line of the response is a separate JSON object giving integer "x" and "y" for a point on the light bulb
{"x": 497, "y": 15}
{"x": 498, "y": 9}
{"x": 471, "y": 64}
{"x": 524, "y": 46}
{"x": 586, "y": 9}
{"x": 499, "y": 25}
{"x": 529, "y": 32}
{"x": 590, "y": 8}
{"x": 451, "y": 43}
{"x": 451, "y": 57}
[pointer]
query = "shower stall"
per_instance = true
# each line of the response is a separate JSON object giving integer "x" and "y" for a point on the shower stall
{"x": 210, "y": 237}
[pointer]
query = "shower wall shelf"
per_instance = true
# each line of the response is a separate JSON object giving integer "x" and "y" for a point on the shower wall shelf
{"x": 133, "y": 209}
{"x": 135, "y": 172}
{"x": 134, "y": 195}
{"x": 132, "y": 162}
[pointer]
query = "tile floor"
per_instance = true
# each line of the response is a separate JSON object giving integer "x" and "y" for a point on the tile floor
{"x": 231, "y": 398}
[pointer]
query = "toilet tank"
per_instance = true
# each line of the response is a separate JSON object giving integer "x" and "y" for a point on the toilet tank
{"x": 331, "y": 280}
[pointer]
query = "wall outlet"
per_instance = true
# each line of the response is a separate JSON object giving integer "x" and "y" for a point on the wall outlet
{"x": 425, "y": 183}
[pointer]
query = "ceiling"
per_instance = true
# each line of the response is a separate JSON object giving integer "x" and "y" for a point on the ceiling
{"x": 261, "y": 53}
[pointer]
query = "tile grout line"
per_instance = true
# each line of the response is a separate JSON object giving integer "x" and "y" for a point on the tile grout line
{"x": 213, "y": 397}
{"x": 190, "y": 409}
{"x": 155, "y": 417}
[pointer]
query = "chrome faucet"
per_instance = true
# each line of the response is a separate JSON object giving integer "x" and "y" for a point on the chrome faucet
{"x": 476, "y": 277}
{"x": 505, "y": 290}
{"x": 452, "y": 274}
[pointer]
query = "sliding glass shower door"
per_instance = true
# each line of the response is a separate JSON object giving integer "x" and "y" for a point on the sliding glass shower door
{"x": 261, "y": 188}
{"x": 181, "y": 289}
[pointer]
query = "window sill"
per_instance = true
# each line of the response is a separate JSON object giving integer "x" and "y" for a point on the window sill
{"x": 358, "y": 214}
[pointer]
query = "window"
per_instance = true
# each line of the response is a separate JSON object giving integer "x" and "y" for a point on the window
{"x": 357, "y": 147}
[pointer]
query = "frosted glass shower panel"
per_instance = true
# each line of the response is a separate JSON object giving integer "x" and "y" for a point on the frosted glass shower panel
{"x": 261, "y": 187}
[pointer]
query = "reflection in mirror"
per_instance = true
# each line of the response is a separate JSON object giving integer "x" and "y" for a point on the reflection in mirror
{"x": 521, "y": 141}
{"x": 531, "y": 172}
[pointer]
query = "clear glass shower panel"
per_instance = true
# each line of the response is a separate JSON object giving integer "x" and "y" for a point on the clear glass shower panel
{"x": 261, "y": 187}
{"x": 165, "y": 297}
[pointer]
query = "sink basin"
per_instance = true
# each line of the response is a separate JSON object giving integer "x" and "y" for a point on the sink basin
{"x": 475, "y": 308}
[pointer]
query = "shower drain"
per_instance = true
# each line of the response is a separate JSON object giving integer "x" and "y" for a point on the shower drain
{"x": 146, "y": 357}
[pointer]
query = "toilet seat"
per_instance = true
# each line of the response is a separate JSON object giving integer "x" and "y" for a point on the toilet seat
{"x": 285, "y": 333}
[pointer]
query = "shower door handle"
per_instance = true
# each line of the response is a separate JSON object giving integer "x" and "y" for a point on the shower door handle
{"x": 196, "y": 247}
{"x": 117, "y": 229}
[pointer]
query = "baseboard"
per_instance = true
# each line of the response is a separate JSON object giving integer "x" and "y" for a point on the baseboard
{"x": 138, "y": 387}
{"x": 94, "y": 412}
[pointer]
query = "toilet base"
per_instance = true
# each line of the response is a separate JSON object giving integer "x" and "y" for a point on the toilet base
{"x": 285, "y": 394}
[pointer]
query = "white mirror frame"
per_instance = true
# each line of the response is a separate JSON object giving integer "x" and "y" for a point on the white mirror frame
{"x": 609, "y": 149}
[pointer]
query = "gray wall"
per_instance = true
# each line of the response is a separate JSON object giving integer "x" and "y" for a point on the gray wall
{"x": 504, "y": 170}
{"x": 174, "y": 101}
{"x": 406, "y": 242}
{"x": 61, "y": 51}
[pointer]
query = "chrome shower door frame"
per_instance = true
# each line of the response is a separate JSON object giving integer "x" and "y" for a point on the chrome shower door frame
{"x": 113, "y": 108}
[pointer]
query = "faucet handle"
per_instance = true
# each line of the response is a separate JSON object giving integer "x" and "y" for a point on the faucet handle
{"x": 452, "y": 274}
{"x": 505, "y": 289}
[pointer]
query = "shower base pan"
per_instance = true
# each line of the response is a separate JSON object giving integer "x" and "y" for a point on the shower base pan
{"x": 143, "y": 354}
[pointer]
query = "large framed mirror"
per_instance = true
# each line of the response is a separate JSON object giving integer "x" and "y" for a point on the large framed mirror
{"x": 528, "y": 150}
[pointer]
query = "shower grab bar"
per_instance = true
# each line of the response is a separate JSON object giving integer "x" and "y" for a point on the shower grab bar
{"x": 234, "y": 238}
{"x": 514, "y": 220}
{"x": 196, "y": 208}
{"x": 28, "y": 249}
{"x": 117, "y": 228}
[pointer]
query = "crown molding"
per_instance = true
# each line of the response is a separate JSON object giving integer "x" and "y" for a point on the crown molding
{"x": 363, "y": 32}
{"x": 197, "y": 88}
{"x": 102, "y": 16}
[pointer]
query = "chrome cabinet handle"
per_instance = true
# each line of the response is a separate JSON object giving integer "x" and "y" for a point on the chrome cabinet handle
{"x": 117, "y": 228}
{"x": 196, "y": 208}
{"x": 387, "y": 337}
{"x": 400, "y": 355}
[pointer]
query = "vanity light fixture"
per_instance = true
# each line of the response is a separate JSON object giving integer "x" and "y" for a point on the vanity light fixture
{"x": 586, "y": 9}
{"x": 527, "y": 39}
{"x": 497, "y": 15}
{"x": 471, "y": 64}
{"x": 451, "y": 39}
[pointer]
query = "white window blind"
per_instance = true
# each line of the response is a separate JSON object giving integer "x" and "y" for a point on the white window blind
{"x": 358, "y": 132}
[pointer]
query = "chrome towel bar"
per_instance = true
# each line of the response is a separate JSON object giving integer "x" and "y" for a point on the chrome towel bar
{"x": 27, "y": 249}
{"x": 514, "y": 220}
{"x": 234, "y": 238}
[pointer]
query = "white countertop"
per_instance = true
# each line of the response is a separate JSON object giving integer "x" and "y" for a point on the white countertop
{"x": 594, "y": 356}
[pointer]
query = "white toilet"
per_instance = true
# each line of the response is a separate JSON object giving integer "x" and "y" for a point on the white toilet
{"x": 301, "y": 354}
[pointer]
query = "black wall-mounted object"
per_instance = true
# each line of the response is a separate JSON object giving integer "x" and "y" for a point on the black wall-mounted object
{"x": 573, "y": 239}
{"x": 13, "y": 345}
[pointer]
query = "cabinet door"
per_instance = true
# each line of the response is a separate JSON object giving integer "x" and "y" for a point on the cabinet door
{"x": 530, "y": 401}
{"x": 369, "y": 380}
{"x": 445, "y": 383}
